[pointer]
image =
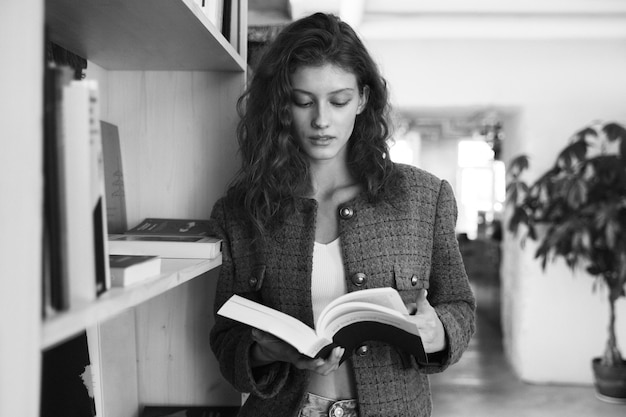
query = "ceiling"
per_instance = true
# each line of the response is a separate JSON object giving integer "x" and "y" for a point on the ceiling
{"x": 410, "y": 19}
{"x": 397, "y": 20}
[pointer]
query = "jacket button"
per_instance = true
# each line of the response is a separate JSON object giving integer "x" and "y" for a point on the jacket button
{"x": 346, "y": 212}
{"x": 336, "y": 411}
{"x": 362, "y": 350}
{"x": 253, "y": 281}
{"x": 359, "y": 279}
{"x": 414, "y": 280}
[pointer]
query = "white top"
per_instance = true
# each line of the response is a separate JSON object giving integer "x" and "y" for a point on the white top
{"x": 328, "y": 276}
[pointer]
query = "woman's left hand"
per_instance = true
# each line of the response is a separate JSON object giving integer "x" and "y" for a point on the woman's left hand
{"x": 268, "y": 348}
{"x": 431, "y": 329}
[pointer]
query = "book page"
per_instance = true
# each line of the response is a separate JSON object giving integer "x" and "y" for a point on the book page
{"x": 281, "y": 325}
{"x": 345, "y": 314}
{"x": 386, "y": 297}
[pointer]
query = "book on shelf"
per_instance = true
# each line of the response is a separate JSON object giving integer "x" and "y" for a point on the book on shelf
{"x": 200, "y": 247}
{"x": 114, "y": 178}
{"x": 78, "y": 235}
{"x": 170, "y": 227}
{"x": 131, "y": 269}
{"x": 213, "y": 9}
{"x": 55, "y": 294}
{"x": 98, "y": 191}
{"x": 230, "y": 22}
{"x": 348, "y": 321}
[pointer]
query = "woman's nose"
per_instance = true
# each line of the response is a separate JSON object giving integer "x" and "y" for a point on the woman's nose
{"x": 320, "y": 118}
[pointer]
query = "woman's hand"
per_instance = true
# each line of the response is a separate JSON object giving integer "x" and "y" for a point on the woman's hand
{"x": 430, "y": 327}
{"x": 269, "y": 348}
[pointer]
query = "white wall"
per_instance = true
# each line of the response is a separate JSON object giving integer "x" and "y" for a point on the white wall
{"x": 21, "y": 182}
{"x": 548, "y": 89}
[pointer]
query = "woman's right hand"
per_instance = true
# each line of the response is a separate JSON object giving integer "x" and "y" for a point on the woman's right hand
{"x": 268, "y": 348}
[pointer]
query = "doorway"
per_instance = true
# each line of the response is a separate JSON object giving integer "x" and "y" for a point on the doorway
{"x": 464, "y": 147}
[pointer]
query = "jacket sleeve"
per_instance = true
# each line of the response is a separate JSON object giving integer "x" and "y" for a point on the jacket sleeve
{"x": 449, "y": 292}
{"x": 231, "y": 341}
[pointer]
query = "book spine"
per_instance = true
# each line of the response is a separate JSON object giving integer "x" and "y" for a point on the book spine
{"x": 55, "y": 285}
{"x": 182, "y": 250}
{"x": 79, "y": 240}
{"x": 114, "y": 178}
{"x": 98, "y": 193}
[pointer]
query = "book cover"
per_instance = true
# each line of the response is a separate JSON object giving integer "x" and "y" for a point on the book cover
{"x": 130, "y": 269}
{"x": 114, "y": 178}
{"x": 371, "y": 314}
{"x": 170, "y": 227}
{"x": 201, "y": 247}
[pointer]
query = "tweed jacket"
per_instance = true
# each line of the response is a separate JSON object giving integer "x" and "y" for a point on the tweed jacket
{"x": 407, "y": 242}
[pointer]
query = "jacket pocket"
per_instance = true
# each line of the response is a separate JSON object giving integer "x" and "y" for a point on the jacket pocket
{"x": 409, "y": 279}
{"x": 251, "y": 279}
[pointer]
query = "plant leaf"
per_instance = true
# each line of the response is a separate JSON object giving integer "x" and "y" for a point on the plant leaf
{"x": 573, "y": 153}
{"x": 613, "y": 132}
{"x": 518, "y": 164}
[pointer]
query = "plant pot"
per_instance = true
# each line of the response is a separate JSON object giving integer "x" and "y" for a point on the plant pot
{"x": 610, "y": 382}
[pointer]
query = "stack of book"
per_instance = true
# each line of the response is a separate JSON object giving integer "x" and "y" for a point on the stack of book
{"x": 131, "y": 269}
{"x": 167, "y": 238}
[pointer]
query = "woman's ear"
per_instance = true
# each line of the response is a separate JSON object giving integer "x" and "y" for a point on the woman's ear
{"x": 363, "y": 97}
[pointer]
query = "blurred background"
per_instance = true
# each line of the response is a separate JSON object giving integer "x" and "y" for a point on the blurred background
{"x": 473, "y": 84}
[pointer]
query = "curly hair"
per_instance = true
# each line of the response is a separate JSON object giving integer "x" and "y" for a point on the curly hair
{"x": 274, "y": 170}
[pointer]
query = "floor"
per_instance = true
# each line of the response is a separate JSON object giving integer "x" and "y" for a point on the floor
{"x": 482, "y": 384}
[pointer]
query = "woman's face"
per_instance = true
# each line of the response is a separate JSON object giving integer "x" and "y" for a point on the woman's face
{"x": 324, "y": 106}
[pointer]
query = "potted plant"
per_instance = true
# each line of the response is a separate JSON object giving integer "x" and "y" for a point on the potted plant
{"x": 576, "y": 211}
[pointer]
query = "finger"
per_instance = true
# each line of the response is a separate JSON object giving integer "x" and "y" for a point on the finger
{"x": 421, "y": 301}
{"x": 337, "y": 354}
{"x": 322, "y": 366}
{"x": 257, "y": 335}
{"x": 307, "y": 363}
{"x": 332, "y": 362}
{"x": 261, "y": 336}
{"x": 411, "y": 308}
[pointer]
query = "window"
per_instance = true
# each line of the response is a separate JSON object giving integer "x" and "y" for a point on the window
{"x": 481, "y": 188}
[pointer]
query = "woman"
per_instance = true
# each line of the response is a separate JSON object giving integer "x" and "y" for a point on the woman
{"x": 318, "y": 210}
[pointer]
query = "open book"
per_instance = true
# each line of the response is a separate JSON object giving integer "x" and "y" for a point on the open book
{"x": 348, "y": 321}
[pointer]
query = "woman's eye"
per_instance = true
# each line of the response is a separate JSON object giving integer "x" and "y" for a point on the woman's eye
{"x": 303, "y": 103}
{"x": 340, "y": 103}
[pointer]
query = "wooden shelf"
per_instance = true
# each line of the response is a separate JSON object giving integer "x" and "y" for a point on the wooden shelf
{"x": 141, "y": 35}
{"x": 174, "y": 272}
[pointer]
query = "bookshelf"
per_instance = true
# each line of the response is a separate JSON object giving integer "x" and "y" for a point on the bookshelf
{"x": 142, "y": 35}
{"x": 169, "y": 80}
{"x": 174, "y": 272}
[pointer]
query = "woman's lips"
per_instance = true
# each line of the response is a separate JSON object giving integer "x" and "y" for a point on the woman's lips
{"x": 321, "y": 138}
